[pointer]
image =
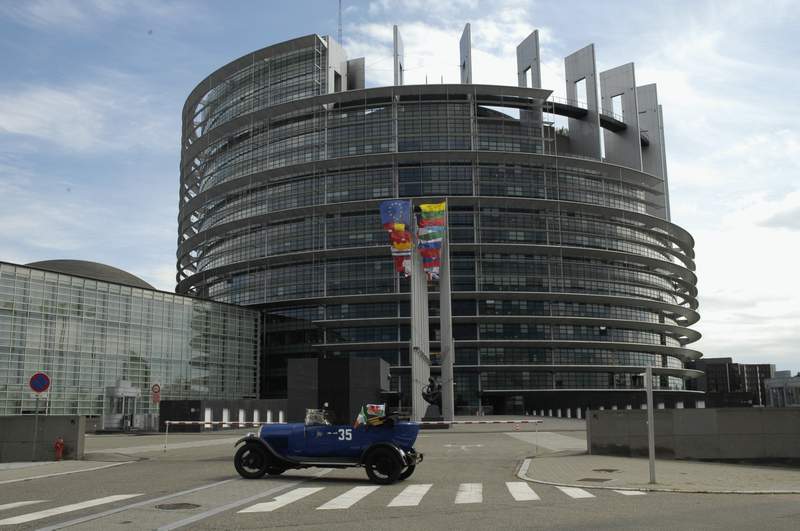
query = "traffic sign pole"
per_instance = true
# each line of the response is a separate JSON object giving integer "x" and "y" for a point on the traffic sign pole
{"x": 35, "y": 429}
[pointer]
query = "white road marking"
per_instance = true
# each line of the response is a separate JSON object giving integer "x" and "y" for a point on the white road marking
{"x": 411, "y": 496}
{"x": 349, "y": 498}
{"x": 470, "y": 493}
{"x": 7, "y": 481}
{"x": 521, "y": 491}
{"x": 282, "y": 500}
{"x": 21, "y": 519}
{"x": 575, "y": 492}
{"x": 19, "y": 504}
{"x": 150, "y": 501}
{"x": 630, "y": 492}
{"x": 523, "y": 470}
{"x": 235, "y": 505}
{"x": 550, "y": 440}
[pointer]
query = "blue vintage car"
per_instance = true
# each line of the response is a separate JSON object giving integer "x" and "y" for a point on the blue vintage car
{"x": 386, "y": 450}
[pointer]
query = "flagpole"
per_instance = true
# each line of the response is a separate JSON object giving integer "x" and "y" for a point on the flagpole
{"x": 446, "y": 324}
{"x": 419, "y": 346}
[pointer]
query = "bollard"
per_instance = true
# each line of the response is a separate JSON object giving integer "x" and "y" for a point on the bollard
{"x": 549, "y": 412}
{"x": 643, "y": 406}
{"x": 661, "y": 405}
{"x": 628, "y": 406}
{"x": 241, "y": 418}
{"x": 601, "y": 408}
{"x": 256, "y": 416}
{"x": 569, "y": 412}
{"x": 269, "y": 416}
{"x": 614, "y": 408}
{"x": 578, "y": 414}
{"x": 558, "y": 412}
{"x": 280, "y": 416}
{"x": 679, "y": 404}
{"x": 700, "y": 404}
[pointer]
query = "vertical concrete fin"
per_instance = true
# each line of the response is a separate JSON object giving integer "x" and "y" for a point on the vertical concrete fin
{"x": 668, "y": 215}
{"x": 651, "y": 125}
{"x": 356, "y": 74}
{"x": 584, "y": 133}
{"x": 528, "y": 59}
{"x": 622, "y": 147}
{"x": 337, "y": 66}
{"x": 399, "y": 61}
{"x": 465, "y": 48}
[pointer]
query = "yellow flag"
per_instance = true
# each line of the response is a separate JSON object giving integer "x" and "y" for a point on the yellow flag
{"x": 432, "y": 207}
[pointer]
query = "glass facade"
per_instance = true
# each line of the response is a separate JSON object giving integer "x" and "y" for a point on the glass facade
{"x": 98, "y": 341}
{"x": 557, "y": 261}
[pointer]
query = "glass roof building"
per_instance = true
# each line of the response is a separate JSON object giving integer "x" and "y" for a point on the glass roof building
{"x": 568, "y": 276}
{"x": 105, "y": 337}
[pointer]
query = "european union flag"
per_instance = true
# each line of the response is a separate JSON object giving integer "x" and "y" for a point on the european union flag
{"x": 396, "y": 211}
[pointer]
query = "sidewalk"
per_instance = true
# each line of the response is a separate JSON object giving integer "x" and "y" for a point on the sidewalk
{"x": 597, "y": 471}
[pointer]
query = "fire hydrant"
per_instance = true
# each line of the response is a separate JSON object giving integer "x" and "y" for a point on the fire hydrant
{"x": 59, "y": 448}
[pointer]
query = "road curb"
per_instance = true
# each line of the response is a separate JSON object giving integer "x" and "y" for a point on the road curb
{"x": 522, "y": 473}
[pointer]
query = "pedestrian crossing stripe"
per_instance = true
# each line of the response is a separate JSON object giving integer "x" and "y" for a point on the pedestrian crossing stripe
{"x": 30, "y": 517}
{"x": 411, "y": 496}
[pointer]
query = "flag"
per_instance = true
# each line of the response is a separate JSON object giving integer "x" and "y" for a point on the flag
{"x": 430, "y": 235}
{"x": 396, "y": 211}
{"x": 396, "y": 219}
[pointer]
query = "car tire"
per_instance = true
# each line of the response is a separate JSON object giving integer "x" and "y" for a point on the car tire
{"x": 383, "y": 466}
{"x": 406, "y": 473}
{"x": 251, "y": 461}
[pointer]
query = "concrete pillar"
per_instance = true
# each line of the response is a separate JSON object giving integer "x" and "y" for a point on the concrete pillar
{"x": 280, "y": 416}
{"x": 226, "y": 417}
{"x": 558, "y": 412}
{"x": 242, "y": 419}
{"x": 700, "y": 404}
{"x": 614, "y": 408}
{"x": 269, "y": 416}
{"x": 578, "y": 414}
{"x": 644, "y": 406}
{"x": 661, "y": 405}
{"x": 549, "y": 412}
{"x": 256, "y": 416}
{"x": 569, "y": 412}
{"x": 207, "y": 418}
{"x": 628, "y": 407}
{"x": 601, "y": 408}
{"x": 679, "y": 404}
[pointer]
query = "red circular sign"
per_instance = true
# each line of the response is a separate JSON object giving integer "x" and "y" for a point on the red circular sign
{"x": 39, "y": 382}
{"x": 155, "y": 389}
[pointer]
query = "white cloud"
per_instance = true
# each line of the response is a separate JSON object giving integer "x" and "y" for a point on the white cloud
{"x": 112, "y": 112}
{"x": 81, "y": 15}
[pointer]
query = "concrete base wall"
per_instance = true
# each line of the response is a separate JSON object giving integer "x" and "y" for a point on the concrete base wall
{"x": 724, "y": 433}
{"x": 17, "y": 435}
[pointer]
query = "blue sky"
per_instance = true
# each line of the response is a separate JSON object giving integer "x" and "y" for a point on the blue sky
{"x": 91, "y": 93}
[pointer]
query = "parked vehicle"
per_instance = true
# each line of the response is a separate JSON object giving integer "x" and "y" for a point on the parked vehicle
{"x": 385, "y": 448}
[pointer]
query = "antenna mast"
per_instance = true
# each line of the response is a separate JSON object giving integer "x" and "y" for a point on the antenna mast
{"x": 340, "y": 22}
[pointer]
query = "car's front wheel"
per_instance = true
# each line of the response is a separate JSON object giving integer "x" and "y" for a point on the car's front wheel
{"x": 407, "y": 471}
{"x": 251, "y": 461}
{"x": 383, "y": 466}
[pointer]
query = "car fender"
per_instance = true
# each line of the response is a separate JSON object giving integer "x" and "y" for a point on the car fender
{"x": 253, "y": 438}
{"x": 401, "y": 454}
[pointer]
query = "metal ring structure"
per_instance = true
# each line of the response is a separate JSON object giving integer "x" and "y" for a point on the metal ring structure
{"x": 566, "y": 275}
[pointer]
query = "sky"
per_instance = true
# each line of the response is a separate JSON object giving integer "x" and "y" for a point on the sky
{"x": 91, "y": 93}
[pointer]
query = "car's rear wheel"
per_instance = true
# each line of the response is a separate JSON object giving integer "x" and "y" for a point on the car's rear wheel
{"x": 383, "y": 466}
{"x": 407, "y": 471}
{"x": 251, "y": 461}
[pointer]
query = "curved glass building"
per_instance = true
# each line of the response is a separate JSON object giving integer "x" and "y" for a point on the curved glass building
{"x": 568, "y": 277}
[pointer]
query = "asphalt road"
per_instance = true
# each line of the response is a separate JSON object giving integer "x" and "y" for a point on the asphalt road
{"x": 467, "y": 481}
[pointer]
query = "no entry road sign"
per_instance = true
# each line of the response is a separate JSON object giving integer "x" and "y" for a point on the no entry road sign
{"x": 39, "y": 382}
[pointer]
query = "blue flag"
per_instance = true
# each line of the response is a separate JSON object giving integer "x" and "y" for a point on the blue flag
{"x": 396, "y": 211}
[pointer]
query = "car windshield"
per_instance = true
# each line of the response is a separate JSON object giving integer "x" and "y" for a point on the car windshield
{"x": 316, "y": 417}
